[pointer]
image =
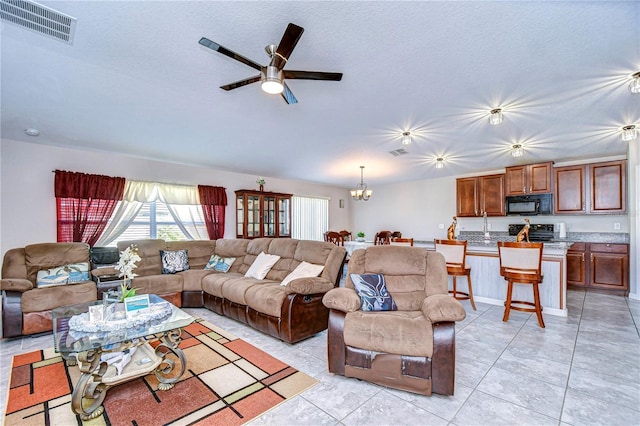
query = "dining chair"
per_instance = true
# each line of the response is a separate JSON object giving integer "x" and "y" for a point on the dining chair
{"x": 401, "y": 242}
{"x": 346, "y": 235}
{"x": 455, "y": 254}
{"x": 382, "y": 238}
{"x": 521, "y": 263}
{"x": 334, "y": 237}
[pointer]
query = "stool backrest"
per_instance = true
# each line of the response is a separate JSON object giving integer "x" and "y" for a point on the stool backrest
{"x": 454, "y": 251}
{"x": 520, "y": 258}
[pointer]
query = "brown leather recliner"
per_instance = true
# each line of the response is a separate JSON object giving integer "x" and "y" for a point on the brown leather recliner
{"x": 411, "y": 348}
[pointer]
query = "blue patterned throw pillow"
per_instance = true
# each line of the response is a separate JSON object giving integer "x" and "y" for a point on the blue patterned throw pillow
{"x": 174, "y": 261}
{"x": 373, "y": 292}
{"x": 220, "y": 264}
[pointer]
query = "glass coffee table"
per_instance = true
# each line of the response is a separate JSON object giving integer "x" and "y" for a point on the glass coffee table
{"x": 110, "y": 357}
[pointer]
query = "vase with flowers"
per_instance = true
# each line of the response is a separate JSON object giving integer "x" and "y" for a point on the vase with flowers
{"x": 261, "y": 182}
{"x": 126, "y": 264}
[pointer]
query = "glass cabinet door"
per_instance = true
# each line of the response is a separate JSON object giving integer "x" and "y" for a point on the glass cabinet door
{"x": 240, "y": 217}
{"x": 284, "y": 217}
{"x": 269, "y": 221}
{"x": 253, "y": 216}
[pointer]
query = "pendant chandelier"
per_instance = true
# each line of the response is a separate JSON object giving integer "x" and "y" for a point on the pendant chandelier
{"x": 361, "y": 192}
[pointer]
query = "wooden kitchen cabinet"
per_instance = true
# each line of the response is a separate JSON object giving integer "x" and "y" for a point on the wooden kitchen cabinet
{"x": 475, "y": 195}
{"x": 529, "y": 179}
{"x": 262, "y": 214}
{"x": 598, "y": 188}
{"x": 603, "y": 266}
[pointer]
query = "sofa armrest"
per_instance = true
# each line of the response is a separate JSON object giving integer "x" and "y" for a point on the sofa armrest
{"x": 342, "y": 299}
{"x": 442, "y": 307}
{"x": 16, "y": 284}
{"x": 313, "y": 285}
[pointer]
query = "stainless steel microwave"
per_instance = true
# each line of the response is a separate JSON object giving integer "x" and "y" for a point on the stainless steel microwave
{"x": 528, "y": 204}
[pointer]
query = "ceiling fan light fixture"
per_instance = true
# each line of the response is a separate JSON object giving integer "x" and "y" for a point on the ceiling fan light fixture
{"x": 516, "y": 150}
{"x": 629, "y": 133}
{"x": 634, "y": 86}
{"x": 272, "y": 80}
{"x": 406, "y": 138}
{"x": 439, "y": 163}
{"x": 495, "y": 116}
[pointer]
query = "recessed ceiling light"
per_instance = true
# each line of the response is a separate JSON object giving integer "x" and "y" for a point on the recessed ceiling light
{"x": 629, "y": 133}
{"x": 406, "y": 138}
{"x": 32, "y": 132}
{"x": 495, "y": 116}
{"x": 516, "y": 150}
{"x": 439, "y": 163}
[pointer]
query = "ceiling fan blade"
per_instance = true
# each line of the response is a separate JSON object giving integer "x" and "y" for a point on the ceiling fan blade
{"x": 241, "y": 83}
{"x": 287, "y": 95}
{"x": 313, "y": 75}
{"x": 215, "y": 46}
{"x": 289, "y": 40}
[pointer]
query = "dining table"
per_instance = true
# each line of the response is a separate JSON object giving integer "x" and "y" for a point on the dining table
{"x": 352, "y": 246}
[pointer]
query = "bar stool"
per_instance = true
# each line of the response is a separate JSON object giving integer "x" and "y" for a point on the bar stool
{"x": 521, "y": 263}
{"x": 455, "y": 254}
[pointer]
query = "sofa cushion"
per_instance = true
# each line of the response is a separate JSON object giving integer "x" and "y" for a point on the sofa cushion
{"x": 303, "y": 270}
{"x": 45, "y": 299}
{"x": 192, "y": 279}
{"x": 373, "y": 292}
{"x": 148, "y": 250}
{"x": 261, "y": 266}
{"x": 158, "y": 284}
{"x": 267, "y": 297}
{"x": 174, "y": 261}
{"x": 50, "y": 255}
{"x": 212, "y": 283}
{"x": 199, "y": 251}
{"x": 235, "y": 290}
{"x": 397, "y": 332}
{"x": 219, "y": 264}
{"x": 233, "y": 248}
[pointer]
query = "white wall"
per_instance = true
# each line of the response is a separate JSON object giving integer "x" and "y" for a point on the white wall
{"x": 27, "y": 203}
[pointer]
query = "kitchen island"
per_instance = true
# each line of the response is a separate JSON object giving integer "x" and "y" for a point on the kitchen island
{"x": 489, "y": 287}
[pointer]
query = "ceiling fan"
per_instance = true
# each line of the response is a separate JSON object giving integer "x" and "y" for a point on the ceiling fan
{"x": 273, "y": 75}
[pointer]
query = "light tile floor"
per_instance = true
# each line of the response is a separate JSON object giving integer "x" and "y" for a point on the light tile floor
{"x": 579, "y": 370}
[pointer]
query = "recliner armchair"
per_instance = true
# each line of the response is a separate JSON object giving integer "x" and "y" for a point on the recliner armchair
{"x": 411, "y": 348}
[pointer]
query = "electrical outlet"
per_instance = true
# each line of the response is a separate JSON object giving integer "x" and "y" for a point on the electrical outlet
{"x": 441, "y": 226}
{"x": 616, "y": 225}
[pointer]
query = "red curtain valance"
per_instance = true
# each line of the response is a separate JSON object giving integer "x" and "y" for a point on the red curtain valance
{"x": 88, "y": 186}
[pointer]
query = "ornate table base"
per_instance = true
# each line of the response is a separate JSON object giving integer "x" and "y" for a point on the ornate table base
{"x": 97, "y": 377}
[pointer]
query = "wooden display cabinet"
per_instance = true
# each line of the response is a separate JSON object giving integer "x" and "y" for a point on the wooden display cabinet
{"x": 475, "y": 195}
{"x": 599, "y": 188}
{"x": 529, "y": 179}
{"x": 263, "y": 214}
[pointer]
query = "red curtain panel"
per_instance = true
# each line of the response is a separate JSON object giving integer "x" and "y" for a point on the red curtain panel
{"x": 214, "y": 201}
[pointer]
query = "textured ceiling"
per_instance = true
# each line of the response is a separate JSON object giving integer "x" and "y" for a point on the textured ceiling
{"x": 136, "y": 81}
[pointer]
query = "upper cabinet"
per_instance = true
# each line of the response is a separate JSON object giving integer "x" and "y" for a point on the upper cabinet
{"x": 262, "y": 214}
{"x": 599, "y": 188}
{"x": 479, "y": 194}
{"x": 529, "y": 179}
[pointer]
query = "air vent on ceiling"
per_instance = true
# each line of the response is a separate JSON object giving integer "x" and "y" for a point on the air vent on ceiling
{"x": 38, "y": 18}
{"x": 398, "y": 152}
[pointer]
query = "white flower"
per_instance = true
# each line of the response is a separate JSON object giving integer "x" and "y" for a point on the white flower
{"x": 127, "y": 262}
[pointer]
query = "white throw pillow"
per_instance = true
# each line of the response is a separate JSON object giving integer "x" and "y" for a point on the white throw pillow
{"x": 261, "y": 266}
{"x": 304, "y": 270}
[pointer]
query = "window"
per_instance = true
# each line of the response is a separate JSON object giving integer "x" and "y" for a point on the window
{"x": 154, "y": 220}
{"x": 309, "y": 217}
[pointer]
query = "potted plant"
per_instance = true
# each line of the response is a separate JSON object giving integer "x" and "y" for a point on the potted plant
{"x": 126, "y": 264}
{"x": 360, "y": 236}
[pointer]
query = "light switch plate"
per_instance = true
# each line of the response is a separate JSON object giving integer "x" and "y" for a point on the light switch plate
{"x": 441, "y": 226}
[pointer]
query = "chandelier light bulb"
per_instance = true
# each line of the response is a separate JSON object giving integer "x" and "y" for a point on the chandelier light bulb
{"x": 495, "y": 116}
{"x": 634, "y": 86}
{"x": 629, "y": 133}
{"x": 516, "y": 150}
{"x": 406, "y": 138}
{"x": 272, "y": 81}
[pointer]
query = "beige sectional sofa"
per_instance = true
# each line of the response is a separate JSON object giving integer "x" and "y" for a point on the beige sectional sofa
{"x": 291, "y": 313}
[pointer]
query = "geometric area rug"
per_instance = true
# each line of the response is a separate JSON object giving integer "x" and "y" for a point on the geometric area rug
{"x": 227, "y": 382}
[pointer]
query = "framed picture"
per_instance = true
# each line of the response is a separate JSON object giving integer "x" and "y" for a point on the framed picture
{"x": 136, "y": 305}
